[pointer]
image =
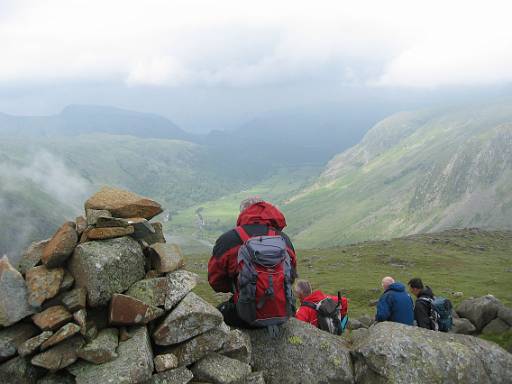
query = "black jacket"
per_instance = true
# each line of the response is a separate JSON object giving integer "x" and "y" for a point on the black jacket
{"x": 422, "y": 308}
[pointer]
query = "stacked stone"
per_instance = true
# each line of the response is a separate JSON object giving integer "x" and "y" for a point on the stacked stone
{"x": 106, "y": 300}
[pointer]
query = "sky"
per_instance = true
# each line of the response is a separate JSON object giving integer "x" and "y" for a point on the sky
{"x": 213, "y": 64}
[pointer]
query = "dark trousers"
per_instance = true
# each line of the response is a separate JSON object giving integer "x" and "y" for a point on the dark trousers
{"x": 231, "y": 318}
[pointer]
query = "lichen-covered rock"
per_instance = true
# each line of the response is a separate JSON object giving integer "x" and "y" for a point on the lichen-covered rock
{"x": 190, "y": 318}
{"x": 462, "y": 326}
{"x": 62, "y": 334}
{"x": 60, "y": 356}
{"x": 32, "y": 345}
{"x": 124, "y": 204}
{"x": 11, "y": 338}
{"x": 106, "y": 267}
{"x": 180, "y": 284}
{"x": 75, "y": 299}
{"x": 495, "y": 327}
{"x": 174, "y": 376}
{"x": 166, "y": 257}
{"x": 32, "y": 255}
{"x": 14, "y": 298}
{"x": 52, "y": 318}
{"x": 220, "y": 369}
{"x": 398, "y": 353}
{"x": 165, "y": 362}
{"x": 19, "y": 371}
{"x": 101, "y": 349}
{"x": 480, "y": 311}
{"x": 151, "y": 291}
{"x": 301, "y": 354}
{"x": 238, "y": 346}
{"x": 43, "y": 283}
{"x": 60, "y": 246}
{"x": 134, "y": 363}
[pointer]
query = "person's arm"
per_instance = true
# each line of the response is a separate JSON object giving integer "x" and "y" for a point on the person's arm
{"x": 421, "y": 314}
{"x": 383, "y": 309}
{"x": 222, "y": 264}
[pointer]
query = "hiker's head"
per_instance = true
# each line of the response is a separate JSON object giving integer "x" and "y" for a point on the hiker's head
{"x": 386, "y": 282}
{"x": 246, "y": 203}
{"x": 415, "y": 286}
{"x": 302, "y": 289}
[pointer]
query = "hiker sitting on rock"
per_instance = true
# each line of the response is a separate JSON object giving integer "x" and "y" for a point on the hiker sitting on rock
{"x": 261, "y": 275}
{"x": 424, "y": 305}
{"x": 395, "y": 304}
{"x": 326, "y": 312}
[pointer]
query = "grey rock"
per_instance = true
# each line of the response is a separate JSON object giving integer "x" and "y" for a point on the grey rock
{"x": 398, "y": 353}
{"x": 107, "y": 267}
{"x": 238, "y": 346}
{"x": 150, "y": 291}
{"x": 220, "y": 369}
{"x": 324, "y": 357}
{"x": 252, "y": 378}
{"x": 495, "y": 327}
{"x": 101, "y": 349}
{"x": 505, "y": 314}
{"x": 180, "y": 284}
{"x": 14, "y": 298}
{"x": 175, "y": 376}
{"x": 60, "y": 356}
{"x": 142, "y": 228}
{"x": 462, "y": 326}
{"x": 32, "y": 345}
{"x": 166, "y": 257}
{"x": 354, "y": 324}
{"x": 195, "y": 349}
{"x": 19, "y": 371}
{"x": 366, "y": 321}
{"x": 32, "y": 256}
{"x": 157, "y": 236}
{"x": 11, "y": 338}
{"x": 190, "y": 318}
{"x": 134, "y": 363}
{"x": 75, "y": 299}
{"x": 479, "y": 311}
{"x": 61, "y": 377}
{"x": 62, "y": 334}
{"x": 165, "y": 362}
{"x": 92, "y": 215}
{"x": 67, "y": 282}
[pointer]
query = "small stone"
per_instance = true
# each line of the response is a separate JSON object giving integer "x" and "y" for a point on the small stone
{"x": 157, "y": 236}
{"x": 67, "y": 282}
{"x": 14, "y": 298}
{"x": 32, "y": 255}
{"x": 238, "y": 346}
{"x": 165, "y": 362}
{"x": 109, "y": 233}
{"x": 62, "y": 334}
{"x": 60, "y": 246}
{"x": 220, "y": 369}
{"x": 19, "y": 371}
{"x": 93, "y": 215}
{"x": 52, "y": 318}
{"x": 126, "y": 310}
{"x": 60, "y": 356}
{"x": 190, "y": 318}
{"x": 102, "y": 349}
{"x": 81, "y": 225}
{"x": 43, "y": 284}
{"x": 122, "y": 203}
{"x": 180, "y": 283}
{"x": 32, "y": 345}
{"x": 166, "y": 257}
{"x": 11, "y": 338}
{"x": 80, "y": 317}
{"x": 150, "y": 291}
{"x": 75, "y": 299}
{"x": 175, "y": 376}
{"x": 457, "y": 294}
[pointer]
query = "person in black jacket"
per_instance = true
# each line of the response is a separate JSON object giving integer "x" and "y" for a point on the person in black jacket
{"x": 423, "y": 307}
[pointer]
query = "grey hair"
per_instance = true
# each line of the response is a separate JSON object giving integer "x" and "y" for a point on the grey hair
{"x": 246, "y": 203}
{"x": 387, "y": 281}
{"x": 303, "y": 287}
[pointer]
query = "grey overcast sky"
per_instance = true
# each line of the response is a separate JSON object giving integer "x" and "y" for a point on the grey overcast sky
{"x": 230, "y": 60}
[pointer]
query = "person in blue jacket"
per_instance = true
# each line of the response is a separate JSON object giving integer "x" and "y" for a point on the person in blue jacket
{"x": 395, "y": 304}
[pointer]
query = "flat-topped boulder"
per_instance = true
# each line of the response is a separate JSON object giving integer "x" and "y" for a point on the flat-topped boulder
{"x": 60, "y": 246}
{"x": 106, "y": 267}
{"x": 121, "y": 203}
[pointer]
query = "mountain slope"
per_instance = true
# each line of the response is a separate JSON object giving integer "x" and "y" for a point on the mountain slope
{"x": 413, "y": 172}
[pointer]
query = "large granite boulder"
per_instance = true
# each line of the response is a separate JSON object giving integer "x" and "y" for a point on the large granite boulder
{"x": 397, "y": 353}
{"x": 495, "y": 327}
{"x": 301, "y": 354}
{"x": 219, "y": 369}
{"x": 134, "y": 363}
{"x": 123, "y": 203}
{"x": 505, "y": 314}
{"x": 107, "y": 267}
{"x": 14, "y": 297}
{"x": 480, "y": 311}
{"x": 151, "y": 291}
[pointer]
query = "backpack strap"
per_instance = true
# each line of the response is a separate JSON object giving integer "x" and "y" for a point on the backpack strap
{"x": 310, "y": 305}
{"x": 272, "y": 231}
{"x": 244, "y": 236}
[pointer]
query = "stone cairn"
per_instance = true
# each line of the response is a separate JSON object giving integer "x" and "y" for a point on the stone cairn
{"x": 106, "y": 300}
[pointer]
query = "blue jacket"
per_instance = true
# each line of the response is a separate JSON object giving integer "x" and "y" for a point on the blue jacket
{"x": 395, "y": 305}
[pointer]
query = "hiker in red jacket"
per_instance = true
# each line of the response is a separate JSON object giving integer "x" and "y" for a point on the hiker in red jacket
{"x": 310, "y": 299}
{"x": 257, "y": 218}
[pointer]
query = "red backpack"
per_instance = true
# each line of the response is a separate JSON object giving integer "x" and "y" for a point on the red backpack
{"x": 264, "y": 283}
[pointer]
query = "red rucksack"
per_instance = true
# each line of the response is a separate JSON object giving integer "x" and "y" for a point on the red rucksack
{"x": 264, "y": 283}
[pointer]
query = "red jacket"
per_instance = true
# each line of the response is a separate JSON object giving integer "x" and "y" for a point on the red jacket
{"x": 309, "y": 315}
{"x": 256, "y": 220}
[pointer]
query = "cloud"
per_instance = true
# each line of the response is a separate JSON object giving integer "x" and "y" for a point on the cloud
{"x": 241, "y": 44}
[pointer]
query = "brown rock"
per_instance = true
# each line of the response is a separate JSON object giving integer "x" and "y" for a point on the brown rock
{"x": 75, "y": 299}
{"x": 81, "y": 225}
{"x": 107, "y": 222}
{"x": 102, "y": 349}
{"x": 60, "y": 246}
{"x": 166, "y": 257}
{"x": 11, "y": 338}
{"x": 123, "y": 203}
{"x": 124, "y": 334}
{"x": 32, "y": 256}
{"x": 126, "y": 310}
{"x": 60, "y": 356}
{"x": 62, "y": 334}
{"x": 31, "y": 345}
{"x": 52, "y": 318}
{"x": 43, "y": 284}
{"x": 109, "y": 233}
{"x": 165, "y": 362}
